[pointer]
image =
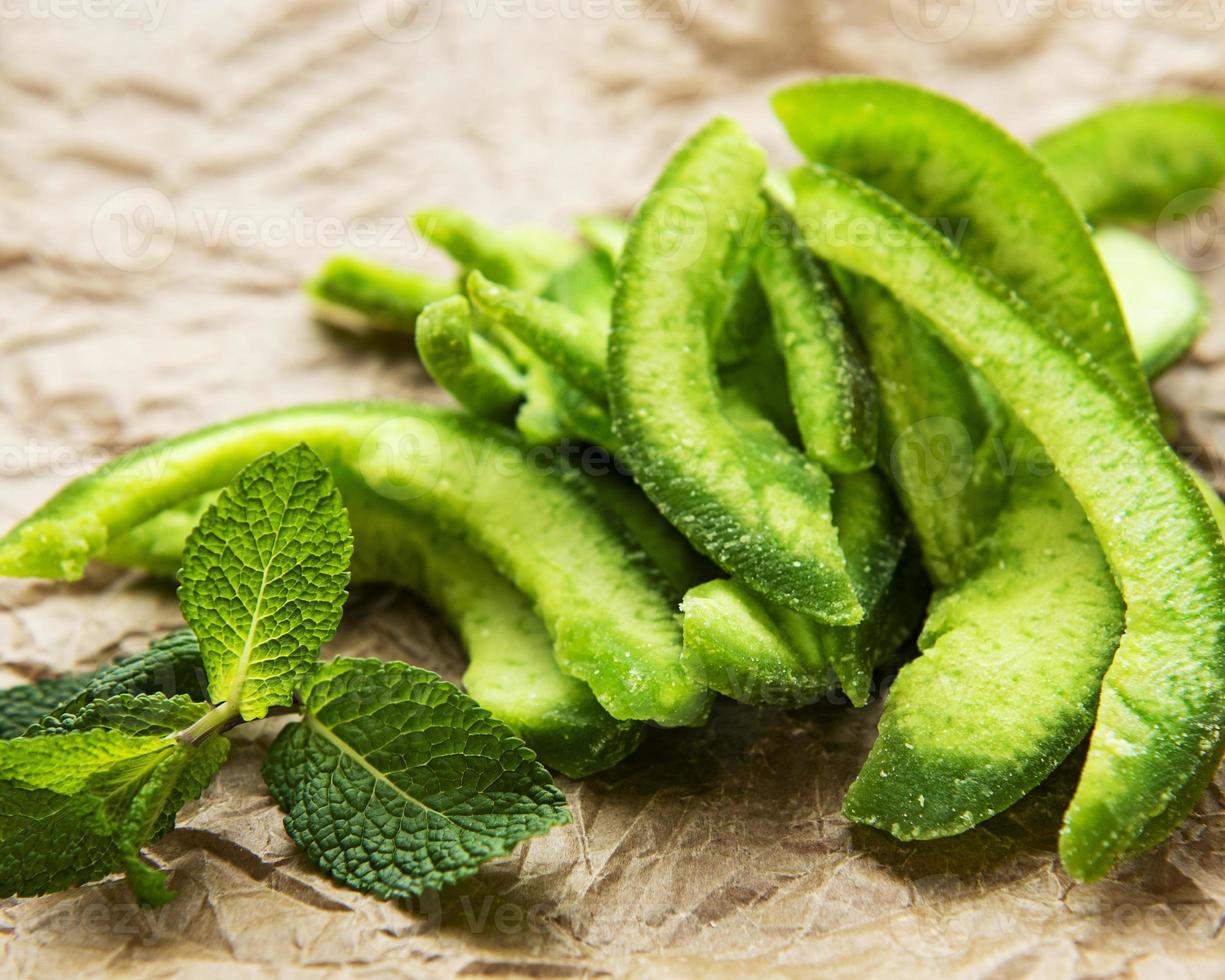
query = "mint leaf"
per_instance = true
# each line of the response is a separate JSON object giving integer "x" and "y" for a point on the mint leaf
{"x": 180, "y": 776}
{"x": 396, "y": 782}
{"x": 171, "y": 666}
{"x": 22, "y": 706}
{"x": 133, "y": 714}
{"x": 77, "y": 806}
{"x": 263, "y": 579}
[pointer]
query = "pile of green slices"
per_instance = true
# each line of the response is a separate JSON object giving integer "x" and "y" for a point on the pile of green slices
{"x": 755, "y": 440}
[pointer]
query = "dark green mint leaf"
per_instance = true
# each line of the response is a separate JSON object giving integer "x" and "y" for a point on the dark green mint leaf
{"x": 171, "y": 666}
{"x": 396, "y": 782}
{"x": 78, "y": 805}
{"x": 22, "y": 706}
{"x": 134, "y": 714}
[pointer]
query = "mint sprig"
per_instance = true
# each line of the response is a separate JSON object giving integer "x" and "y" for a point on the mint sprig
{"x": 76, "y": 806}
{"x": 394, "y": 781}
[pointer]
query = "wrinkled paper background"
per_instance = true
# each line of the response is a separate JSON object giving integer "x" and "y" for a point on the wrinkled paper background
{"x": 171, "y": 171}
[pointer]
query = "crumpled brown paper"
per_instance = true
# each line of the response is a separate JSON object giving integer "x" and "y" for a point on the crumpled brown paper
{"x": 170, "y": 172}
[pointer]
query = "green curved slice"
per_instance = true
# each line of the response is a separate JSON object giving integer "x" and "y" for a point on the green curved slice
{"x": 610, "y": 617}
{"x": 575, "y": 345}
{"x": 1160, "y": 712}
{"x": 475, "y": 372}
{"x": 760, "y": 653}
{"x": 1132, "y": 161}
{"x": 996, "y": 701}
{"x": 1165, "y": 306}
{"x": 604, "y": 233}
{"x": 585, "y": 287}
{"x": 983, "y": 190}
{"x": 350, "y": 292}
{"x": 833, "y": 394}
{"x": 939, "y": 440}
{"x": 523, "y": 258}
{"x": 760, "y": 513}
{"x": 667, "y": 549}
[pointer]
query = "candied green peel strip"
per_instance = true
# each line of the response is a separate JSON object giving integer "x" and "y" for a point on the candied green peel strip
{"x": 757, "y": 652}
{"x": 574, "y": 344}
{"x": 1160, "y": 710}
{"x": 352, "y": 292}
{"x": 523, "y": 258}
{"x": 607, "y": 610}
{"x": 760, "y": 512}
{"x": 958, "y": 741}
{"x": 476, "y": 372}
{"x": 938, "y": 437}
{"x": 1132, "y": 161}
{"x": 1165, "y": 306}
{"x": 833, "y": 394}
{"x": 990, "y": 194}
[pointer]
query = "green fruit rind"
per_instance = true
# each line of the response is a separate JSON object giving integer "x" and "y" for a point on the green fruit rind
{"x": 759, "y": 512}
{"x": 574, "y": 345}
{"x": 522, "y": 258}
{"x": 351, "y": 292}
{"x": 833, "y": 394}
{"x": 757, "y": 652}
{"x": 610, "y": 617}
{"x": 474, "y": 371}
{"x": 1165, "y": 306}
{"x": 746, "y": 648}
{"x": 989, "y": 193}
{"x": 938, "y": 438}
{"x": 1162, "y": 699}
{"x": 1132, "y": 161}
{"x": 958, "y": 741}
